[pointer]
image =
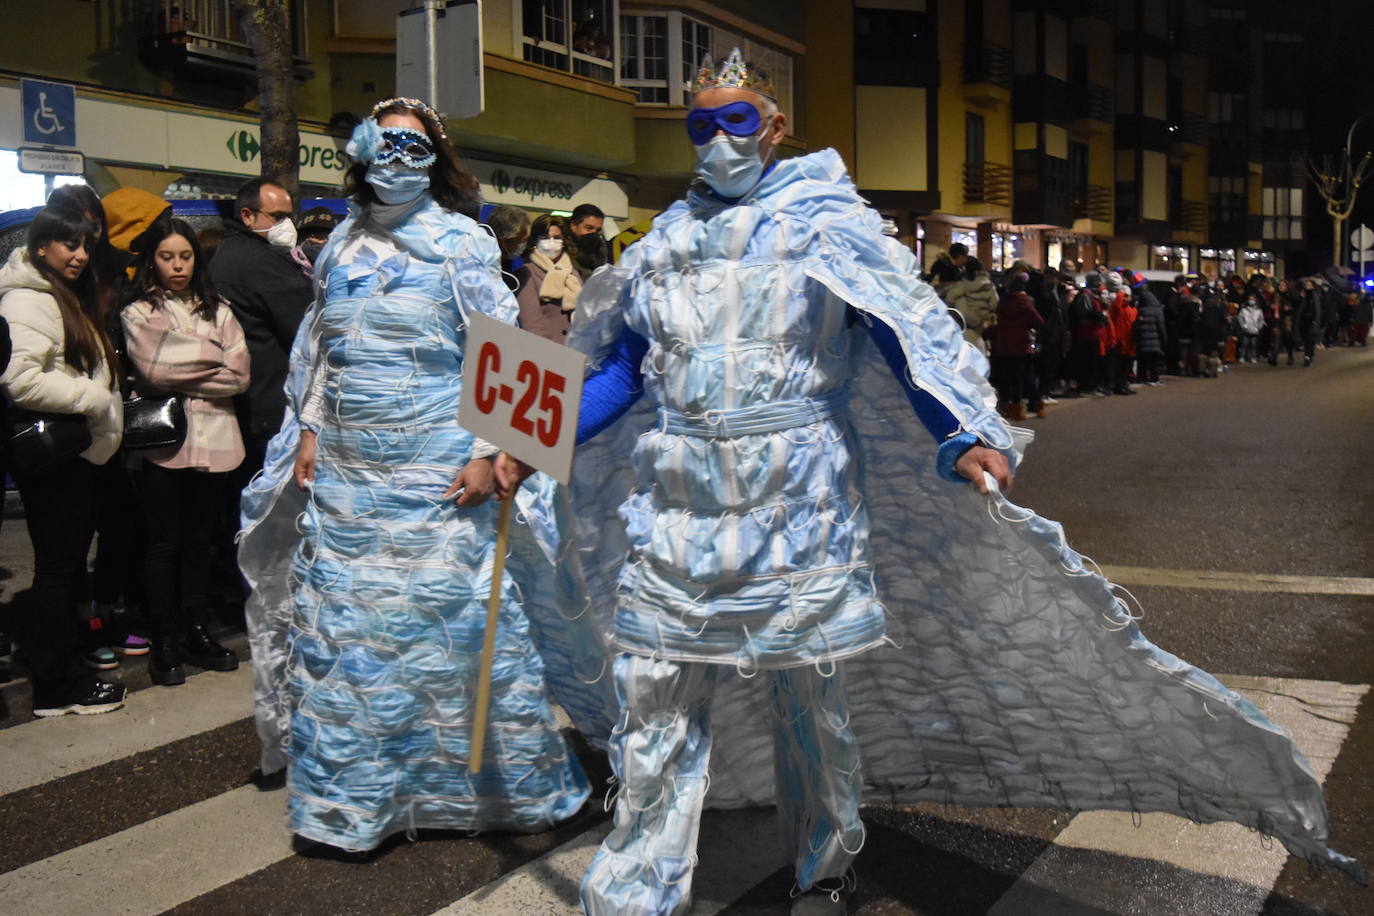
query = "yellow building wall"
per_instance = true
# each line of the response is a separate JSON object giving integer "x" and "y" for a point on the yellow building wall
{"x": 891, "y": 131}
{"x": 829, "y": 109}
{"x": 956, "y": 101}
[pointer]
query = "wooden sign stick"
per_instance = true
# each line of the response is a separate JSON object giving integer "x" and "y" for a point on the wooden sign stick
{"x": 498, "y": 569}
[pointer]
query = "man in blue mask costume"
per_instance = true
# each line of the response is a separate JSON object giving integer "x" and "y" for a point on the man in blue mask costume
{"x": 786, "y": 544}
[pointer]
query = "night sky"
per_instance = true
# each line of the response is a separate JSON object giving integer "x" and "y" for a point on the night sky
{"x": 1339, "y": 73}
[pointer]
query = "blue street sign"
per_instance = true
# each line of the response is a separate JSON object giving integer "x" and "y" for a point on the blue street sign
{"x": 49, "y": 112}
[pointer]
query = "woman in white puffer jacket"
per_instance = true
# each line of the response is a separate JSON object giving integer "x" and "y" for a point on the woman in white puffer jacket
{"x": 975, "y": 299}
{"x": 62, "y": 363}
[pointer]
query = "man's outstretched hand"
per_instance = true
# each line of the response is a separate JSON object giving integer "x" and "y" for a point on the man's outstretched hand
{"x": 978, "y": 459}
{"x": 510, "y": 473}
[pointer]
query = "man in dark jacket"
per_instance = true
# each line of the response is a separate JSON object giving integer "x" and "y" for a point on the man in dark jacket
{"x": 1150, "y": 335}
{"x": 1309, "y": 319}
{"x": 269, "y": 295}
{"x": 948, "y": 266}
{"x": 1048, "y": 293}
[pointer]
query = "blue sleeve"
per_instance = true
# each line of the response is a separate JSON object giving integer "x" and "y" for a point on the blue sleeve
{"x": 613, "y": 388}
{"x": 934, "y": 416}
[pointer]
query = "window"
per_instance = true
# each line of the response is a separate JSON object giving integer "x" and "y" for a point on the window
{"x": 644, "y": 57}
{"x": 889, "y": 46}
{"x": 696, "y": 47}
{"x": 1282, "y": 213}
{"x": 1225, "y": 107}
{"x": 1227, "y": 199}
{"x": 655, "y": 46}
{"x": 571, "y": 35}
{"x": 1283, "y": 119}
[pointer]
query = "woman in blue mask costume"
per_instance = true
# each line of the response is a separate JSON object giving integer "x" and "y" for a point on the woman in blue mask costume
{"x": 369, "y": 540}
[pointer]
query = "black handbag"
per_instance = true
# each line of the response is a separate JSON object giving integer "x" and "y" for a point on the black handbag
{"x": 40, "y": 440}
{"x": 154, "y": 422}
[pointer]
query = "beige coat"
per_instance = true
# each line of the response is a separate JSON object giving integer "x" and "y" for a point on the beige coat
{"x": 38, "y": 377}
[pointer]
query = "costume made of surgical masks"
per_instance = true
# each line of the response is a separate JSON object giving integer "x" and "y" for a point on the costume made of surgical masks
{"x": 369, "y": 591}
{"x": 806, "y": 601}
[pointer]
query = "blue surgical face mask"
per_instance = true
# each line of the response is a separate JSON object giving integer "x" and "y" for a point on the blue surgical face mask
{"x": 397, "y": 185}
{"x": 730, "y": 165}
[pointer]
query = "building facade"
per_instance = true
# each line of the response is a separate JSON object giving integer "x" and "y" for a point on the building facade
{"x": 1162, "y": 134}
{"x": 1156, "y": 134}
{"x": 584, "y": 99}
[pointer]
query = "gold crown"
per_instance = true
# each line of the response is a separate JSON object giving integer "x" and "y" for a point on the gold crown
{"x": 734, "y": 73}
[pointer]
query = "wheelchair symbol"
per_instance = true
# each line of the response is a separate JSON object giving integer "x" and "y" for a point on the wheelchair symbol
{"x": 45, "y": 119}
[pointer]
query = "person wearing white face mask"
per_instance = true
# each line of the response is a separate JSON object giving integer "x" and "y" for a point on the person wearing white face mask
{"x": 255, "y": 273}
{"x": 368, "y": 538}
{"x": 776, "y": 544}
{"x": 548, "y": 298}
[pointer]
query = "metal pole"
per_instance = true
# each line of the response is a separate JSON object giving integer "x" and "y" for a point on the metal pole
{"x": 432, "y": 8}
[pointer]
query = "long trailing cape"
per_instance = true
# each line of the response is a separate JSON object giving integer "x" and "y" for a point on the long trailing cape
{"x": 271, "y": 504}
{"x": 1017, "y": 674}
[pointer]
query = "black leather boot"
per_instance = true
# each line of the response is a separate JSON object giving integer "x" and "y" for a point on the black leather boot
{"x": 203, "y": 651}
{"x": 164, "y": 664}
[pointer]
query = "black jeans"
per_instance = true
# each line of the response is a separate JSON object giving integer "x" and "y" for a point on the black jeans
{"x": 181, "y": 508}
{"x": 1087, "y": 361}
{"x": 59, "y": 510}
{"x": 119, "y": 535}
{"x": 1147, "y": 369}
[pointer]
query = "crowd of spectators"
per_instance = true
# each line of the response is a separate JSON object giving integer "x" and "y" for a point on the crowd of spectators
{"x": 115, "y": 301}
{"x": 1058, "y": 333}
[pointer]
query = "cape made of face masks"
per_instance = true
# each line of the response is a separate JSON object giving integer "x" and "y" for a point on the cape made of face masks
{"x": 271, "y": 504}
{"x": 1017, "y": 674}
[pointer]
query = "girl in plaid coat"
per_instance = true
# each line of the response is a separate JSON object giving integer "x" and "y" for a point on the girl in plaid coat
{"x": 183, "y": 339}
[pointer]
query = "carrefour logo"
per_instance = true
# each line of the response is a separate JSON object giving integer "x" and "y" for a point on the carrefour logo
{"x": 529, "y": 186}
{"x": 244, "y": 146}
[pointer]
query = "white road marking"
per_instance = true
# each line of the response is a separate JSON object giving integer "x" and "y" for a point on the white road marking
{"x": 1316, "y": 714}
{"x": 160, "y": 863}
{"x": 1239, "y": 581}
{"x": 45, "y": 749}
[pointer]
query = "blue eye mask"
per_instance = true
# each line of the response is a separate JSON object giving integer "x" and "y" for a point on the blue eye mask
{"x": 405, "y": 147}
{"x": 739, "y": 119}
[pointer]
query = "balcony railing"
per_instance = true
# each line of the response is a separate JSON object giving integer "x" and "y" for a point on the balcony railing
{"x": 987, "y": 183}
{"x": 1094, "y": 103}
{"x": 1188, "y": 128}
{"x": 1192, "y": 217}
{"x": 1092, "y": 201}
{"x": 987, "y": 63}
{"x": 181, "y": 29}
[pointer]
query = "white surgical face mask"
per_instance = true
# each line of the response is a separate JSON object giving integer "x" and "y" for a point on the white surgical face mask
{"x": 550, "y": 248}
{"x": 282, "y": 234}
{"x": 730, "y": 165}
{"x": 397, "y": 185}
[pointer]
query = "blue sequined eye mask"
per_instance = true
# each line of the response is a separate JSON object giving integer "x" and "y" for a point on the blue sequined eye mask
{"x": 739, "y": 119}
{"x": 405, "y": 147}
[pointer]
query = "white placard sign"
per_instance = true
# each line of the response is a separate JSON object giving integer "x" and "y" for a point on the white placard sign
{"x": 522, "y": 393}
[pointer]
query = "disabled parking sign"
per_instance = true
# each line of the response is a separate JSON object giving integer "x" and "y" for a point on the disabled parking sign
{"x": 49, "y": 112}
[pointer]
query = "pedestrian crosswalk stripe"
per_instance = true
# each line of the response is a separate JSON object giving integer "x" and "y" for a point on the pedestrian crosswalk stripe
{"x": 160, "y": 863}
{"x": 1316, "y": 714}
{"x": 45, "y": 749}
{"x": 1097, "y": 862}
{"x": 1239, "y": 581}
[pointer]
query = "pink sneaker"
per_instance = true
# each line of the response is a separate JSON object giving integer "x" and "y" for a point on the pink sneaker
{"x": 134, "y": 645}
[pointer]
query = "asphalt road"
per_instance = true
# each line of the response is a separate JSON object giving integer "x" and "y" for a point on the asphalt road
{"x": 1263, "y": 472}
